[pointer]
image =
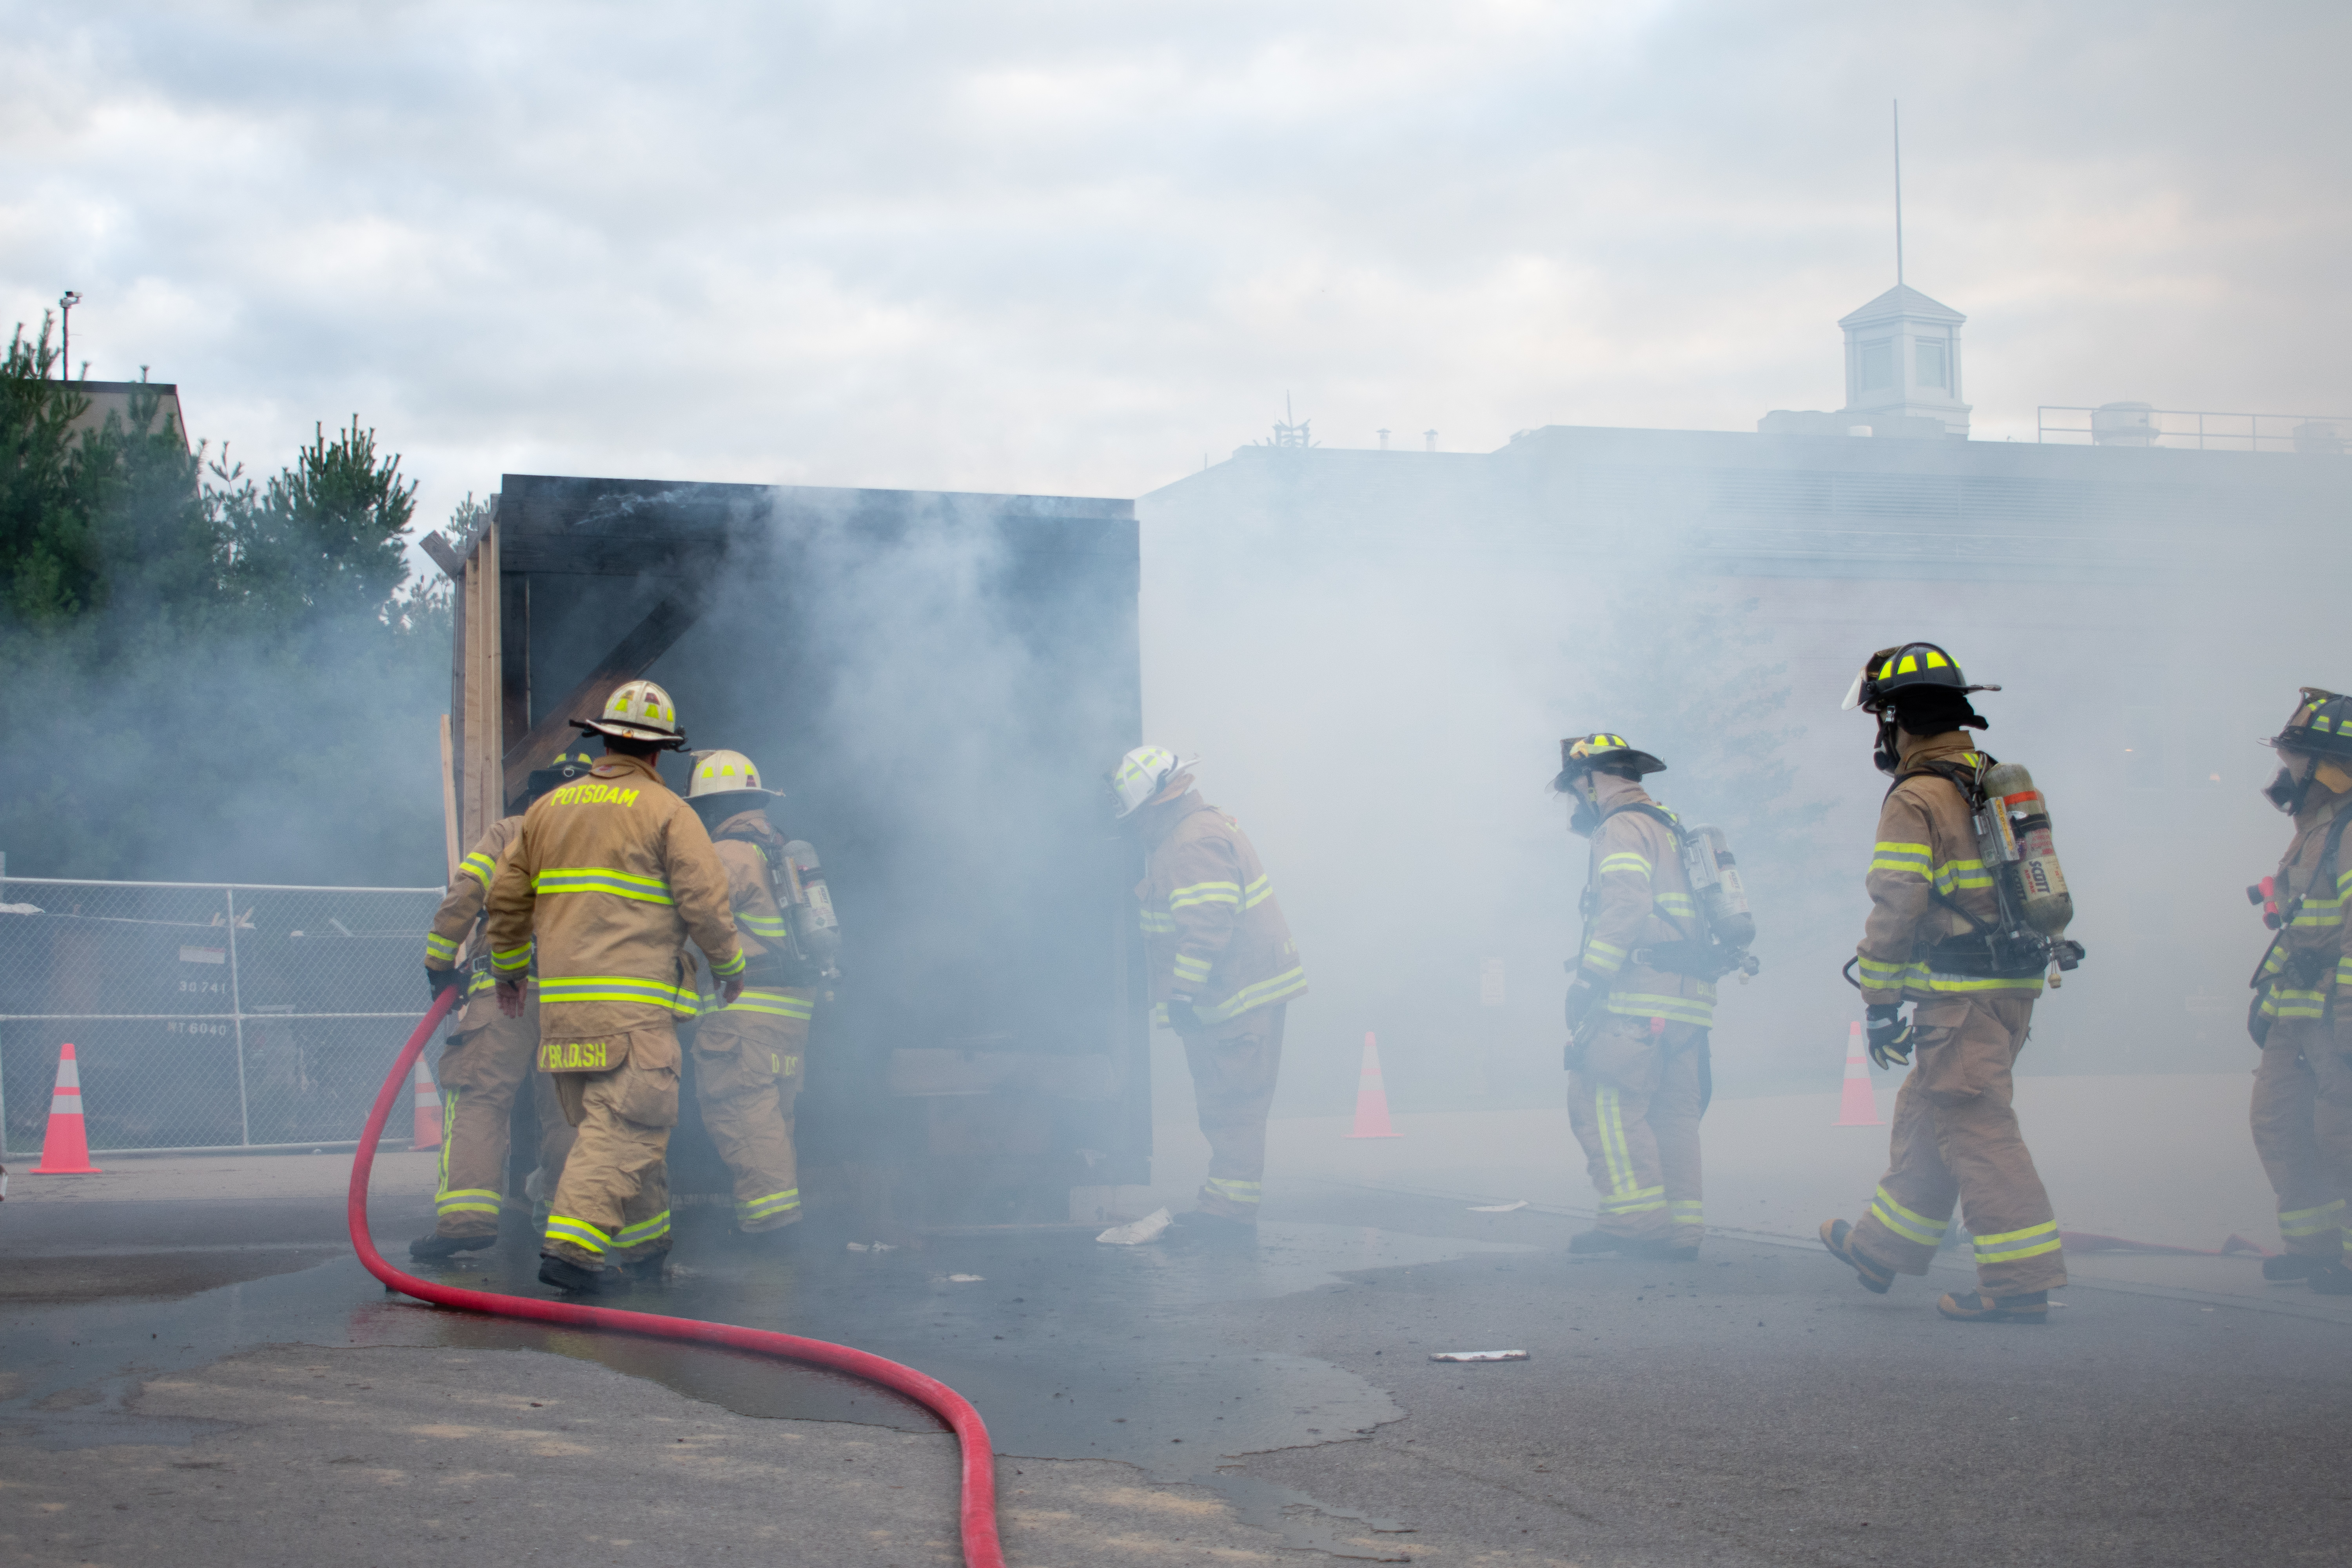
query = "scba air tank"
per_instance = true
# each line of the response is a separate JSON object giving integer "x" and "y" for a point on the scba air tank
{"x": 813, "y": 923}
{"x": 1714, "y": 875}
{"x": 2023, "y": 818}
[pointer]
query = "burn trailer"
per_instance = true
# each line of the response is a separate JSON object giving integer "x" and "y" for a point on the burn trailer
{"x": 937, "y": 682}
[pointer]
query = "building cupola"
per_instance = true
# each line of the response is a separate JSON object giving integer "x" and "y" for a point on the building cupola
{"x": 1903, "y": 361}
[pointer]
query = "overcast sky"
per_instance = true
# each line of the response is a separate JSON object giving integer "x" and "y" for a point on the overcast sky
{"x": 1074, "y": 246}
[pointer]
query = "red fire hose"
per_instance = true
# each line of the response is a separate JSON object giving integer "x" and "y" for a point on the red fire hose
{"x": 980, "y": 1549}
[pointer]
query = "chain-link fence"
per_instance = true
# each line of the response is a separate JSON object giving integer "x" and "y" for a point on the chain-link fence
{"x": 203, "y": 1015}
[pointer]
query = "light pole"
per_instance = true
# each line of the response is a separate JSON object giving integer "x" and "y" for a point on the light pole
{"x": 66, "y": 302}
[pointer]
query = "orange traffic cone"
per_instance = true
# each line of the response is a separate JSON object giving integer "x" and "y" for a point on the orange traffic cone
{"x": 65, "y": 1148}
{"x": 1372, "y": 1096}
{"x": 429, "y": 1110}
{"x": 1859, "y": 1106}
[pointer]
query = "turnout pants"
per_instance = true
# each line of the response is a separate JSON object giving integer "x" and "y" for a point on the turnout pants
{"x": 1634, "y": 1103}
{"x": 556, "y": 1134}
{"x": 747, "y": 1075}
{"x": 1235, "y": 1065}
{"x": 486, "y": 1059}
{"x": 1956, "y": 1138}
{"x": 2302, "y": 1131}
{"x": 612, "y": 1207}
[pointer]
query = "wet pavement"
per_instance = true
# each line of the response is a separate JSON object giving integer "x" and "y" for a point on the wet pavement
{"x": 1071, "y": 1349}
{"x": 1169, "y": 1407}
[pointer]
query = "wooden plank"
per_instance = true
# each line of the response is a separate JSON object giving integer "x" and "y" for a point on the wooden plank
{"x": 444, "y": 557}
{"x": 482, "y": 798}
{"x": 631, "y": 657}
{"x": 456, "y": 714}
{"x": 449, "y": 797}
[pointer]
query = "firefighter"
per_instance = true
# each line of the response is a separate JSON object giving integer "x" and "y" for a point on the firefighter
{"x": 605, "y": 883}
{"x": 1223, "y": 970}
{"x": 486, "y": 1057}
{"x": 1933, "y": 899}
{"x": 2303, "y": 1091}
{"x": 1638, "y": 1023}
{"x": 748, "y": 1056}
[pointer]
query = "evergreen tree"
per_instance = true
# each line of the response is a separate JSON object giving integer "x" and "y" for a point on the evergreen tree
{"x": 222, "y": 674}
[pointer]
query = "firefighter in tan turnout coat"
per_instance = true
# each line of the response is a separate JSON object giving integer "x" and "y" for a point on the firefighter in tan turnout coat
{"x": 2302, "y": 1015}
{"x": 1956, "y": 1136}
{"x": 488, "y": 1055}
{"x": 1222, "y": 970}
{"x": 1639, "y": 1010}
{"x": 749, "y": 1055}
{"x": 607, "y": 880}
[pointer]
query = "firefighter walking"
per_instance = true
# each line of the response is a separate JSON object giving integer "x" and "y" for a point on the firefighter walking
{"x": 1940, "y": 937}
{"x": 607, "y": 879}
{"x": 487, "y": 1055}
{"x": 1640, "y": 1009}
{"x": 750, "y": 1056}
{"x": 1223, "y": 970}
{"x": 2302, "y": 1111}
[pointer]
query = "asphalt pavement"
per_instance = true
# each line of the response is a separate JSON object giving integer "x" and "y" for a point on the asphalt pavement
{"x": 212, "y": 1379}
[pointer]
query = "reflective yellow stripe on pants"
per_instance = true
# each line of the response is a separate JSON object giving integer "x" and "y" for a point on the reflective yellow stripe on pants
{"x": 1625, "y": 1196}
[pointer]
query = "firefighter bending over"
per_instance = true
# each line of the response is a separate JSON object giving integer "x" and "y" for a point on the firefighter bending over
{"x": 486, "y": 1057}
{"x": 2302, "y": 1015}
{"x": 1223, "y": 970}
{"x": 607, "y": 879}
{"x": 1962, "y": 926}
{"x": 1640, "y": 1009}
{"x": 748, "y": 1056}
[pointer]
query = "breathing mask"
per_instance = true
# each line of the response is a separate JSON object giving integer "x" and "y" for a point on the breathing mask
{"x": 2287, "y": 791}
{"x": 1885, "y": 753}
{"x": 1586, "y": 815}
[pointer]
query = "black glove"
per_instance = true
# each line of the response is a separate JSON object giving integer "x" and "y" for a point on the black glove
{"x": 1182, "y": 1018}
{"x": 1889, "y": 1034}
{"x": 1582, "y": 997}
{"x": 442, "y": 979}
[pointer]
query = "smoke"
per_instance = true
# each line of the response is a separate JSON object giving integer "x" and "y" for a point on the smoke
{"x": 938, "y": 684}
{"x": 1377, "y": 656}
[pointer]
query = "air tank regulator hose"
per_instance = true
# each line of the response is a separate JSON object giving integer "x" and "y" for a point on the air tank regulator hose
{"x": 980, "y": 1549}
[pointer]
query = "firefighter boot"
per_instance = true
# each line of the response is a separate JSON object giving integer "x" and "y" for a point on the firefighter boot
{"x": 1588, "y": 1241}
{"x": 1875, "y": 1276}
{"x": 785, "y": 1241}
{"x": 653, "y": 1269}
{"x": 434, "y": 1248}
{"x": 2332, "y": 1278}
{"x": 1979, "y": 1308}
{"x": 565, "y": 1275}
{"x": 1197, "y": 1228}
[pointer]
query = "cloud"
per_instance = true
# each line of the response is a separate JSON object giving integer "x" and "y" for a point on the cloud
{"x": 1074, "y": 248}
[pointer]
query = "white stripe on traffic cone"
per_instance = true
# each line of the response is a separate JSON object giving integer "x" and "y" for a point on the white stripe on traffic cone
{"x": 65, "y": 1147}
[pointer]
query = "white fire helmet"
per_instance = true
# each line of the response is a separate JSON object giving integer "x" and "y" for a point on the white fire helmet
{"x": 1142, "y": 773}
{"x": 638, "y": 711}
{"x": 725, "y": 772}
